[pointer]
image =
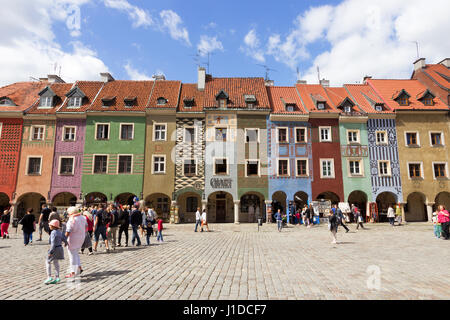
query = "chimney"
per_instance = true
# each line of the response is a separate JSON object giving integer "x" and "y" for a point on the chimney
{"x": 301, "y": 81}
{"x": 325, "y": 83}
{"x": 53, "y": 78}
{"x": 366, "y": 78}
{"x": 419, "y": 64}
{"x": 106, "y": 77}
{"x": 445, "y": 62}
{"x": 201, "y": 78}
{"x": 269, "y": 83}
{"x": 159, "y": 77}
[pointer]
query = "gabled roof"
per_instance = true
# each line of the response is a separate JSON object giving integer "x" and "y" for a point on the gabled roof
{"x": 75, "y": 91}
{"x": 22, "y": 94}
{"x": 366, "y": 98}
{"x": 439, "y": 73}
{"x": 116, "y": 91}
{"x": 386, "y": 89}
{"x": 236, "y": 89}
{"x": 339, "y": 96}
{"x": 60, "y": 90}
{"x": 90, "y": 89}
{"x": 425, "y": 93}
{"x": 280, "y": 96}
{"x": 310, "y": 94}
{"x": 399, "y": 93}
{"x": 169, "y": 90}
{"x": 189, "y": 91}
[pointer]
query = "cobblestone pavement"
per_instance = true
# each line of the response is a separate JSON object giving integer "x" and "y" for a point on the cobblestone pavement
{"x": 238, "y": 262}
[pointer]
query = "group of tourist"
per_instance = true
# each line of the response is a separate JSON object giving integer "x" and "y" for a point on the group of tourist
{"x": 200, "y": 220}
{"x": 441, "y": 222}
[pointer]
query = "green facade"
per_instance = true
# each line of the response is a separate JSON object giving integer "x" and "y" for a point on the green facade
{"x": 355, "y": 152}
{"x": 112, "y": 184}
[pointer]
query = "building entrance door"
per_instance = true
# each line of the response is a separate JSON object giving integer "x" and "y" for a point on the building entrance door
{"x": 221, "y": 207}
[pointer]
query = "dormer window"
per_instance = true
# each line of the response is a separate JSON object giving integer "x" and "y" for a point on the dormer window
{"x": 250, "y": 100}
{"x": 6, "y": 102}
{"x": 129, "y": 101}
{"x": 428, "y": 101}
{"x": 75, "y": 102}
{"x": 426, "y": 98}
{"x": 290, "y": 108}
{"x": 188, "y": 102}
{"x": 402, "y": 98}
{"x": 161, "y": 101}
{"x": 348, "y": 109}
{"x": 379, "y": 107}
{"x": 108, "y": 101}
{"x": 222, "y": 103}
{"x": 320, "y": 105}
{"x": 403, "y": 101}
{"x": 222, "y": 99}
{"x": 46, "y": 102}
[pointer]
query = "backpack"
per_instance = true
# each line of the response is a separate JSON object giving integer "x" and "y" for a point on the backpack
{"x": 106, "y": 217}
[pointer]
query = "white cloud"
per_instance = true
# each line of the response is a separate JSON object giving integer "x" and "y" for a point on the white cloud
{"x": 138, "y": 16}
{"x": 134, "y": 74}
{"x": 172, "y": 22}
{"x": 251, "y": 46}
{"x": 365, "y": 38}
{"x": 29, "y": 47}
{"x": 208, "y": 44}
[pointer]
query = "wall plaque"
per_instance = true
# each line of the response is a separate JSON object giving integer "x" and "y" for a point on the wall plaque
{"x": 218, "y": 183}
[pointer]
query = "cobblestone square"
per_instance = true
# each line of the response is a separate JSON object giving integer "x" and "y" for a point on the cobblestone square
{"x": 238, "y": 262}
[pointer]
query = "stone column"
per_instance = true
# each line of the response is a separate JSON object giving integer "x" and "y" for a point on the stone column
{"x": 173, "y": 212}
{"x": 403, "y": 212}
{"x": 430, "y": 211}
{"x": 236, "y": 211}
{"x": 268, "y": 211}
{"x": 204, "y": 203}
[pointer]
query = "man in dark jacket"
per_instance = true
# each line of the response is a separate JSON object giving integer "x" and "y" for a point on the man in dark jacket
{"x": 124, "y": 220}
{"x": 136, "y": 221}
{"x": 340, "y": 217}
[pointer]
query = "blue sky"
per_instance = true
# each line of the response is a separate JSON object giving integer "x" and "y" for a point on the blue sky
{"x": 134, "y": 39}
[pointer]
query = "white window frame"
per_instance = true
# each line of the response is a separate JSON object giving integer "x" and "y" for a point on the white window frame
{"x": 389, "y": 172}
{"x": 321, "y": 103}
{"x": 446, "y": 169}
{"x": 64, "y": 133}
{"x": 228, "y": 166}
{"x": 184, "y": 134}
{"x": 120, "y": 131}
{"x": 46, "y": 106}
{"x": 442, "y": 139}
{"x": 93, "y": 163}
{"x": 333, "y": 173}
{"x": 358, "y": 140}
{"x": 153, "y": 163}
{"x": 361, "y": 167}
{"x": 59, "y": 166}
{"x": 306, "y": 134}
{"x": 77, "y": 102}
{"x": 417, "y": 135}
{"x": 224, "y": 102}
{"x": 384, "y": 132}
{"x": 330, "y": 138}
{"x": 257, "y": 135}
{"x": 307, "y": 167}
{"x": 422, "y": 174}
{"x": 109, "y": 130}
{"x": 196, "y": 165}
{"x": 259, "y": 168}
{"x": 287, "y": 134}
{"x": 165, "y": 131}
{"x": 28, "y": 163}
{"x": 288, "y": 167}
{"x": 32, "y": 132}
{"x": 118, "y": 161}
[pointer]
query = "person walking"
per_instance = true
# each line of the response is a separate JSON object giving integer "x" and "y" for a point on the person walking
{"x": 279, "y": 220}
{"x": 28, "y": 223}
{"x": 159, "y": 238}
{"x": 340, "y": 217}
{"x": 391, "y": 215}
{"x": 398, "y": 213}
{"x": 4, "y": 220}
{"x": 444, "y": 220}
{"x": 436, "y": 224}
{"x": 89, "y": 231}
{"x": 124, "y": 220}
{"x": 136, "y": 222}
{"x": 113, "y": 226}
{"x": 75, "y": 234}
{"x": 358, "y": 217}
{"x": 309, "y": 215}
{"x": 100, "y": 222}
{"x": 54, "y": 215}
{"x": 43, "y": 221}
{"x": 333, "y": 221}
{"x": 204, "y": 221}
{"x": 56, "y": 251}
{"x": 198, "y": 219}
{"x": 148, "y": 226}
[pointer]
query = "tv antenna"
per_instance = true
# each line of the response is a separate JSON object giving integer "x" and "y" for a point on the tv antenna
{"x": 298, "y": 74}
{"x": 196, "y": 58}
{"x": 318, "y": 73}
{"x": 208, "y": 54}
{"x": 417, "y": 48}
{"x": 267, "y": 70}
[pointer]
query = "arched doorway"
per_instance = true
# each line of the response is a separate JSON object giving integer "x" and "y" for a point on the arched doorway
{"x": 300, "y": 200}
{"x": 358, "y": 198}
{"x": 415, "y": 210}
{"x": 160, "y": 203}
{"x": 278, "y": 202}
{"x": 30, "y": 200}
{"x": 220, "y": 207}
{"x": 442, "y": 198}
{"x": 4, "y": 202}
{"x": 64, "y": 199}
{"x": 328, "y": 195}
{"x": 383, "y": 201}
{"x": 125, "y": 198}
{"x": 95, "y": 198}
{"x": 188, "y": 202}
{"x": 252, "y": 207}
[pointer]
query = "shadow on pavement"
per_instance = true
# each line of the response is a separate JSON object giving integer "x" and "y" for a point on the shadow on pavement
{"x": 102, "y": 275}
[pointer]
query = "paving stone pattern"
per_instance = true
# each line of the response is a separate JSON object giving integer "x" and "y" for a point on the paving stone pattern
{"x": 238, "y": 262}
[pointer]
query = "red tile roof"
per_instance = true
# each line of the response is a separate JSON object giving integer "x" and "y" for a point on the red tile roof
{"x": 309, "y": 92}
{"x": 121, "y": 89}
{"x": 387, "y": 89}
{"x": 236, "y": 88}
{"x": 190, "y": 91}
{"x": 23, "y": 94}
{"x": 439, "y": 73}
{"x": 169, "y": 90}
{"x": 338, "y": 95}
{"x": 366, "y": 98}
{"x": 279, "y": 96}
{"x": 60, "y": 90}
{"x": 90, "y": 89}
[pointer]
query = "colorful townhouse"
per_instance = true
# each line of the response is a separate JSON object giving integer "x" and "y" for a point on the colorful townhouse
{"x": 14, "y": 99}
{"x": 354, "y": 148}
{"x": 113, "y": 158}
{"x": 289, "y": 151}
{"x": 384, "y": 172}
{"x": 436, "y": 77}
{"x": 326, "y": 183}
{"x": 160, "y": 141}
{"x": 37, "y": 151}
{"x": 190, "y": 151}
{"x": 422, "y": 133}
{"x": 70, "y": 137}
